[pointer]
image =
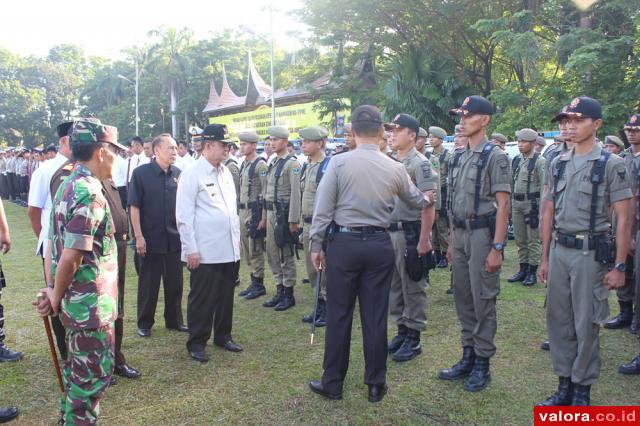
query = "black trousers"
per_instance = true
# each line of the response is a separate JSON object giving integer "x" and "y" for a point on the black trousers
{"x": 358, "y": 266}
{"x": 153, "y": 267}
{"x": 119, "y": 324}
{"x": 211, "y": 303}
{"x": 122, "y": 191}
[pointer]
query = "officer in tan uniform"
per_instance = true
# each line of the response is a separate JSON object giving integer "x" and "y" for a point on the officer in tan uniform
{"x": 528, "y": 178}
{"x": 480, "y": 186}
{"x": 253, "y": 176}
{"x": 313, "y": 143}
{"x": 614, "y": 145}
{"x": 408, "y": 294}
{"x": 281, "y": 215}
{"x": 540, "y": 144}
{"x": 441, "y": 226}
{"x": 232, "y": 165}
{"x": 499, "y": 140}
{"x": 584, "y": 184}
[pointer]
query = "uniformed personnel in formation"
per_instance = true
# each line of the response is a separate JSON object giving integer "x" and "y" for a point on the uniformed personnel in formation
{"x": 410, "y": 238}
{"x": 499, "y": 140}
{"x": 583, "y": 185}
{"x": 280, "y": 218}
{"x": 479, "y": 189}
{"x": 614, "y": 145}
{"x": 441, "y": 225}
{"x": 528, "y": 179}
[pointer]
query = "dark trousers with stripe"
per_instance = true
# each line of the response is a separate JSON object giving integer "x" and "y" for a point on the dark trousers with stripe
{"x": 358, "y": 266}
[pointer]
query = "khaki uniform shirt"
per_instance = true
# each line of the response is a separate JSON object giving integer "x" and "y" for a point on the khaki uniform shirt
{"x": 232, "y": 165}
{"x": 521, "y": 175}
{"x": 310, "y": 187}
{"x": 259, "y": 180}
{"x": 572, "y": 207}
{"x": 495, "y": 177}
{"x": 422, "y": 175}
{"x": 288, "y": 186}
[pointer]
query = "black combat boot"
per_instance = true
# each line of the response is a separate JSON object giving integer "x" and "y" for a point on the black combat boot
{"x": 249, "y": 287}
{"x": 310, "y": 318}
{"x": 531, "y": 276}
{"x": 623, "y": 319}
{"x": 7, "y": 355}
{"x": 321, "y": 318}
{"x": 276, "y": 297}
{"x": 581, "y": 395}
{"x": 257, "y": 290}
{"x": 462, "y": 368}
{"x": 521, "y": 274}
{"x": 410, "y": 348}
{"x": 287, "y": 301}
{"x": 442, "y": 262}
{"x": 480, "y": 376}
{"x": 438, "y": 255}
{"x": 397, "y": 341}
{"x": 562, "y": 396}
{"x": 545, "y": 346}
{"x": 632, "y": 368}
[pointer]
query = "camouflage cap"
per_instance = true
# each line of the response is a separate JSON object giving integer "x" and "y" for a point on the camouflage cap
{"x": 614, "y": 140}
{"x": 438, "y": 132}
{"x": 88, "y": 131}
{"x": 499, "y": 137}
{"x": 527, "y": 135}
{"x": 540, "y": 140}
{"x": 422, "y": 133}
{"x": 279, "y": 132}
{"x": 248, "y": 136}
{"x": 313, "y": 133}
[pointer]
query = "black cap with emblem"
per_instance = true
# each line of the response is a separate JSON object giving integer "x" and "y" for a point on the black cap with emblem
{"x": 473, "y": 105}
{"x": 582, "y": 106}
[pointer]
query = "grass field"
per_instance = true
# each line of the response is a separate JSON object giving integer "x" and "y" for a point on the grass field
{"x": 267, "y": 383}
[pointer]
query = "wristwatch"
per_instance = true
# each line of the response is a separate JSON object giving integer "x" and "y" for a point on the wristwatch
{"x": 497, "y": 246}
{"x": 622, "y": 267}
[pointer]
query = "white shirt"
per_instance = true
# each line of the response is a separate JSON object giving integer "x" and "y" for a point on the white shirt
{"x": 134, "y": 161}
{"x": 120, "y": 172}
{"x": 183, "y": 162}
{"x": 40, "y": 197}
{"x": 206, "y": 213}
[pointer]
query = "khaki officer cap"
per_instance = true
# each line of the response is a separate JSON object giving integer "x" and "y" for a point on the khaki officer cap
{"x": 438, "y": 132}
{"x": 313, "y": 133}
{"x": 541, "y": 141}
{"x": 248, "y": 136}
{"x": 614, "y": 140}
{"x": 499, "y": 137}
{"x": 422, "y": 133}
{"x": 528, "y": 135}
{"x": 279, "y": 132}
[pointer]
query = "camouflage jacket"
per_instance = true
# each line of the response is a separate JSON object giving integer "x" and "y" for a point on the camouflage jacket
{"x": 81, "y": 220}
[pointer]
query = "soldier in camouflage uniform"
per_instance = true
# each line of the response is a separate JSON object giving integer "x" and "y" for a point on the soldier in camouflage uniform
{"x": 441, "y": 227}
{"x": 313, "y": 143}
{"x": 82, "y": 233}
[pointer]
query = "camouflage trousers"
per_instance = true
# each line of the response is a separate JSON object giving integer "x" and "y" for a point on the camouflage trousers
{"x": 86, "y": 374}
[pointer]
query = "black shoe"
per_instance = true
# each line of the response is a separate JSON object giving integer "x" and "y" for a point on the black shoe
{"x": 276, "y": 297}
{"x": 247, "y": 290}
{"x": 321, "y": 319}
{"x": 581, "y": 395}
{"x": 562, "y": 396}
{"x": 124, "y": 370}
{"x": 397, "y": 341}
{"x": 144, "y": 332}
{"x": 623, "y": 319}
{"x": 7, "y": 355}
{"x": 181, "y": 328}
{"x": 545, "y": 345}
{"x": 305, "y": 280}
{"x": 410, "y": 348}
{"x": 443, "y": 262}
{"x": 531, "y": 276}
{"x": 229, "y": 345}
{"x": 462, "y": 368}
{"x": 480, "y": 376}
{"x": 520, "y": 275}
{"x": 450, "y": 290}
{"x": 316, "y": 387}
{"x": 287, "y": 301}
{"x": 308, "y": 319}
{"x": 7, "y": 414}
{"x": 200, "y": 356}
{"x": 632, "y": 368}
{"x": 377, "y": 392}
{"x": 256, "y": 292}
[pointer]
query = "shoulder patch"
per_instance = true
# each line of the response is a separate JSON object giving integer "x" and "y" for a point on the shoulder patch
{"x": 263, "y": 173}
{"x": 622, "y": 174}
{"x": 426, "y": 170}
{"x": 296, "y": 170}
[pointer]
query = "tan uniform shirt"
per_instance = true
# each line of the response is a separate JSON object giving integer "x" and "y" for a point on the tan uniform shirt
{"x": 573, "y": 191}
{"x": 310, "y": 187}
{"x": 521, "y": 175}
{"x": 259, "y": 180}
{"x": 495, "y": 177}
{"x": 235, "y": 173}
{"x": 359, "y": 189}
{"x": 288, "y": 186}
{"x": 423, "y": 176}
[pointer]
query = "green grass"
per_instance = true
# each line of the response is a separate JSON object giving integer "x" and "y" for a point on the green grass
{"x": 267, "y": 383}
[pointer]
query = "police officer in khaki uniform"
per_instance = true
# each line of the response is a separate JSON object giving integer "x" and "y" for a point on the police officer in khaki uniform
{"x": 480, "y": 186}
{"x": 614, "y": 145}
{"x": 408, "y": 294}
{"x": 313, "y": 143}
{"x": 540, "y": 144}
{"x": 441, "y": 226}
{"x": 499, "y": 140}
{"x": 253, "y": 176}
{"x": 528, "y": 179}
{"x": 584, "y": 184}
{"x": 232, "y": 165}
{"x": 281, "y": 215}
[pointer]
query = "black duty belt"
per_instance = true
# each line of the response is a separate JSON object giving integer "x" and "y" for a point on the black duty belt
{"x": 474, "y": 223}
{"x": 399, "y": 226}
{"x": 250, "y": 205}
{"x": 522, "y": 196}
{"x": 307, "y": 219}
{"x": 360, "y": 229}
{"x": 577, "y": 241}
{"x": 270, "y": 205}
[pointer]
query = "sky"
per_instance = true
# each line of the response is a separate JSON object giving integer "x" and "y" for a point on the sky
{"x": 104, "y": 28}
